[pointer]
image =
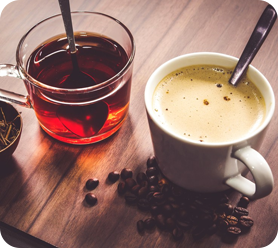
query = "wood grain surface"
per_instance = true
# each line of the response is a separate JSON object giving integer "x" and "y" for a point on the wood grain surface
{"x": 42, "y": 187}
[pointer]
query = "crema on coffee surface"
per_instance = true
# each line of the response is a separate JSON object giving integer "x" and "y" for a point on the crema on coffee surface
{"x": 198, "y": 103}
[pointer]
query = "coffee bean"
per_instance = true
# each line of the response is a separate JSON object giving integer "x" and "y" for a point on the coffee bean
{"x": 131, "y": 198}
{"x": 141, "y": 177}
{"x": 160, "y": 221}
{"x": 167, "y": 209}
{"x": 177, "y": 233}
{"x": 153, "y": 188}
{"x": 223, "y": 224}
{"x": 243, "y": 202}
{"x": 162, "y": 182}
{"x": 151, "y": 162}
{"x": 91, "y": 199}
{"x": 226, "y": 208}
{"x": 142, "y": 192}
{"x": 240, "y": 211}
{"x": 170, "y": 223}
{"x": 206, "y": 219}
{"x": 140, "y": 226}
{"x": 126, "y": 173}
{"x": 182, "y": 214}
{"x": 149, "y": 197}
{"x": 185, "y": 225}
{"x": 234, "y": 230}
{"x": 153, "y": 180}
{"x": 130, "y": 183}
{"x": 224, "y": 199}
{"x": 149, "y": 223}
{"x": 155, "y": 209}
{"x": 175, "y": 207}
{"x": 246, "y": 222}
{"x": 152, "y": 171}
{"x": 92, "y": 183}
{"x": 158, "y": 196}
{"x": 144, "y": 184}
{"x": 143, "y": 204}
{"x": 232, "y": 220}
{"x": 135, "y": 189}
{"x": 121, "y": 188}
{"x": 113, "y": 176}
{"x": 165, "y": 189}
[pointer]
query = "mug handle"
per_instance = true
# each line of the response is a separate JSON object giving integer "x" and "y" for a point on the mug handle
{"x": 11, "y": 97}
{"x": 260, "y": 170}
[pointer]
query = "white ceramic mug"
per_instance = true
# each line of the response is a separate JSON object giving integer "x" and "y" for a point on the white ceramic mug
{"x": 212, "y": 167}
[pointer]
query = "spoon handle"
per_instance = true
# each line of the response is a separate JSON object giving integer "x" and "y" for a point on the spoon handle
{"x": 65, "y": 9}
{"x": 257, "y": 38}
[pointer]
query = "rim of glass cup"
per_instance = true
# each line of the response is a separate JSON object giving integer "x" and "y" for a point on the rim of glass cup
{"x": 75, "y": 90}
{"x": 150, "y": 112}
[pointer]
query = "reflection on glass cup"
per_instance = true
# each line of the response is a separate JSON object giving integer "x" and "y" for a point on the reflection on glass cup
{"x": 75, "y": 114}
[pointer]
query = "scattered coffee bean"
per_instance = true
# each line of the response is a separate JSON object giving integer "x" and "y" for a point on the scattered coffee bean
{"x": 130, "y": 183}
{"x": 141, "y": 177}
{"x": 152, "y": 171}
{"x": 153, "y": 180}
{"x": 135, "y": 189}
{"x": 162, "y": 182}
{"x": 91, "y": 184}
{"x": 126, "y": 173}
{"x": 223, "y": 224}
{"x": 140, "y": 226}
{"x": 170, "y": 223}
{"x": 185, "y": 225}
{"x": 243, "y": 202}
{"x": 143, "y": 204}
{"x": 151, "y": 162}
{"x": 234, "y": 230}
{"x": 155, "y": 209}
{"x": 160, "y": 221}
{"x": 167, "y": 210}
{"x": 131, "y": 198}
{"x": 121, "y": 188}
{"x": 246, "y": 222}
{"x": 240, "y": 211}
{"x": 149, "y": 223}
{"x": 142, "y": 192}
{"x": 175, "y": 209}
{"x": 91, "y": 199}
{"x": 232, "y": 220}
{"x": 177, "y": 233}
{"x": 113, "y": 176}
{"x": 153, "y": 188}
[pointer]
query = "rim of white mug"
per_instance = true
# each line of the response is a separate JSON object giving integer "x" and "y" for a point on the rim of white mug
{"x": 172, "y": 64}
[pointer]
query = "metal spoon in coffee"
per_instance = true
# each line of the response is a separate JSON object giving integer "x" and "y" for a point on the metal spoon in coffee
{"x": 77, "y": 78}
{"x": 257, "y": 38}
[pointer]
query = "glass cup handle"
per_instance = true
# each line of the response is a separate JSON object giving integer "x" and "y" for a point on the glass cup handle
{"x": 260, "y": 170}
{"x": 11, "y": 97}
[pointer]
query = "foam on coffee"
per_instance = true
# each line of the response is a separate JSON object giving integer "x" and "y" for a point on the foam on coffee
{"x": 198, "y": 103}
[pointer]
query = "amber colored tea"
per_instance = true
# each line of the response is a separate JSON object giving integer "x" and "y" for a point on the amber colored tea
{"x": 98, "y": 56}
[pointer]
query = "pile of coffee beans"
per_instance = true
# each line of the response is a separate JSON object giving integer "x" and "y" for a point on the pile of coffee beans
{"x": 179, "y": 211}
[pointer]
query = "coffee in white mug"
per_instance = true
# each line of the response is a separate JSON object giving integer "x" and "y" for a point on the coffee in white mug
{"x": 198, "y": 103}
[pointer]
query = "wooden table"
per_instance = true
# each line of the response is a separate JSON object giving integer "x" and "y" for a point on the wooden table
{"x": 42, "y": 188}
